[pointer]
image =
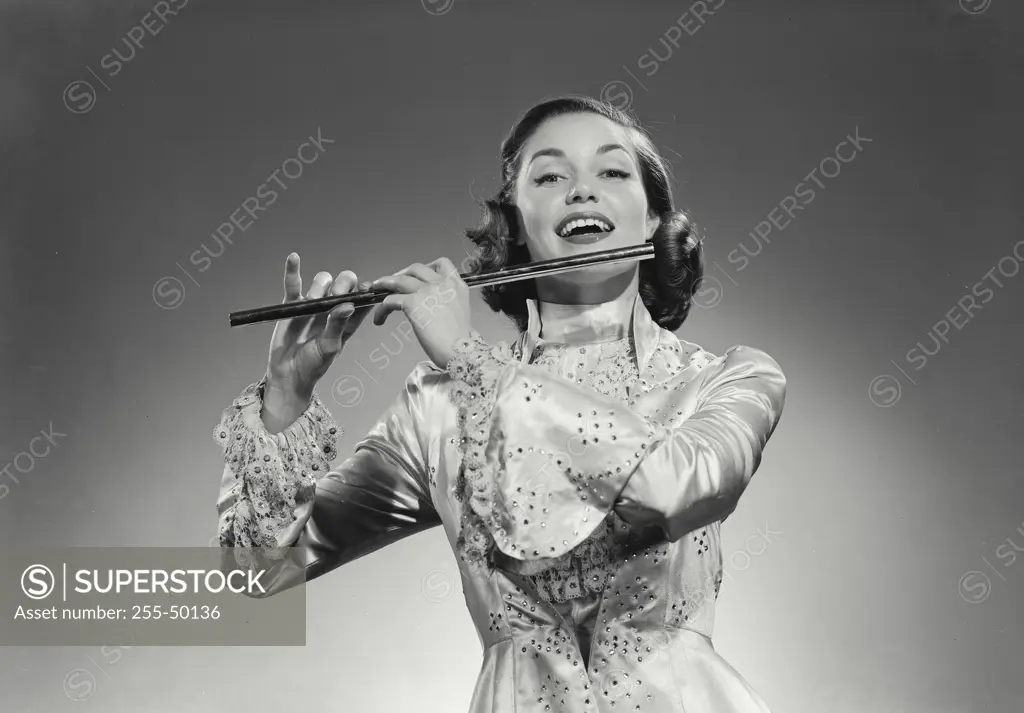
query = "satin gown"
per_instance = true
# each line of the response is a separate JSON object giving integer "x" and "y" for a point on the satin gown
{"x": 581, "y": 475}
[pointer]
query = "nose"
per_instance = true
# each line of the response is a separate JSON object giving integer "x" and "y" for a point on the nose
{"x": 580, "y": 192}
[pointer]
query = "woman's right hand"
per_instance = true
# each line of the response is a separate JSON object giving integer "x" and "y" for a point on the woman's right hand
{"x": 302, "y": 349}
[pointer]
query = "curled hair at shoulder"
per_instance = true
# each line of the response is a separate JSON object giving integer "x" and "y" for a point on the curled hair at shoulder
{"x": 667, "y": 282}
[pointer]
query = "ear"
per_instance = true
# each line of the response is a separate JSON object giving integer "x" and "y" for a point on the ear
{"x": 652, "y": 225}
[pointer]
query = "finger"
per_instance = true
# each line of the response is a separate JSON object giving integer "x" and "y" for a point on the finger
{"x": 421, "y": 271}
{"x": 320, "y": 284}
{"x": 391, "y": 303}
{"x": 344, "y": 282}
{"x": 343, "y": 320}
{"x": 296, "y": 326}
{"x": 289, "y": 331}
{"x": 405, "y": 284}
{"x": 446, "y": 269}
{"x": 292, "y": 279}
{"x": 317, "y": 321}
{"x": 359, "y": 315}
{"x": 353, "y": 322}
{"x": 332, "y": 339}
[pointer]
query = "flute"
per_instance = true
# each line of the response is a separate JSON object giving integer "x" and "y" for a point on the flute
{"x": 365, "y": 298}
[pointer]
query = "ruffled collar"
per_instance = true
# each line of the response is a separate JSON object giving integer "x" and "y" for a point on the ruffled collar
{"x": 625, "y": 316}
{"x": 585, "y": 324}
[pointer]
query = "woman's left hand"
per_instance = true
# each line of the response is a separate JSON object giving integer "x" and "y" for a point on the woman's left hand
{"x": 436, "y": 301}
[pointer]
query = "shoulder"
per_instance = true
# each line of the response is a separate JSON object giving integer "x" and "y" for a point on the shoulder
{"x": 736, "y": 358}
{"x": 684, "y": 353}
{"x": 758, "y": 360}
{"x": 747, "y": 368}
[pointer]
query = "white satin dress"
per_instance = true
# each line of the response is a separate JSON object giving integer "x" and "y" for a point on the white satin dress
{"x": 580, "y": 474}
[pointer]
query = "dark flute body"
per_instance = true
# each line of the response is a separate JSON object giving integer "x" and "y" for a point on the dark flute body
{"x": 303, "y": 308}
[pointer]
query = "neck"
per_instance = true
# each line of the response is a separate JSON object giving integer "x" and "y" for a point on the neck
{"x": 565, "y": 292}
{"x": 572, "y": 313}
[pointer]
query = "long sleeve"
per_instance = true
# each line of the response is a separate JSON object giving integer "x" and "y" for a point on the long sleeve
{"x": 277, "y": 490}
{"x": 563, "y": 457}
{"x": 695, "y": 474}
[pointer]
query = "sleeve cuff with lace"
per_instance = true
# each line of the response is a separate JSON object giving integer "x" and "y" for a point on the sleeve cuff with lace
{"x": 537, "y": 478}
{"x": 274, "y": 474}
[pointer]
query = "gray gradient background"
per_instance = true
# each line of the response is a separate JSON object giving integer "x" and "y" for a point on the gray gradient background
{"x": 878, "y": 512}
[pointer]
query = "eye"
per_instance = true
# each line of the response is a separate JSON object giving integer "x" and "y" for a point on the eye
{"x": 544, "y": 178}
{"x": 615, "y": 173}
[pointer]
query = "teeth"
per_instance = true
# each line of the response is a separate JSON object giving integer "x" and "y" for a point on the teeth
{"x": 580, "y": 222}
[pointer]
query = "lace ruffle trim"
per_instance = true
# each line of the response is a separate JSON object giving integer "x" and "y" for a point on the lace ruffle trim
{"x": 475, "y": 370}
{"x": 274, "y": 473}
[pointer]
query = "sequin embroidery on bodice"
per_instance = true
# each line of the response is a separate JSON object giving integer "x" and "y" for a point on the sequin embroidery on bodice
{"x": 608, "y": 368}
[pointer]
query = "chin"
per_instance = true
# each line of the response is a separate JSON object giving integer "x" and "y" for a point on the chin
{"x": 597, "y": 275}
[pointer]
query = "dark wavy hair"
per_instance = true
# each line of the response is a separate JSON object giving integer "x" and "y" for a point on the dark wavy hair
{"x": 667, "y": 282}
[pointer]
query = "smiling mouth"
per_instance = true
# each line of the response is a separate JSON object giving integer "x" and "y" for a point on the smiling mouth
{"x": 583, "y": 229}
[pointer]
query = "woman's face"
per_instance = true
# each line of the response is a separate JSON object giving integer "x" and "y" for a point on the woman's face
{"x": 578, "y": 191}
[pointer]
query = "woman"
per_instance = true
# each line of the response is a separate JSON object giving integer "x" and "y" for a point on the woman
{"x": 581, "y": 474}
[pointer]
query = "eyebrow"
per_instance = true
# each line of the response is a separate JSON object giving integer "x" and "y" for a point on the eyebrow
{"x": 558, "y": 153}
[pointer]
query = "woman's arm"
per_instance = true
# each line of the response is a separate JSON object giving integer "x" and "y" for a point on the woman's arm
{"x": 580, "y": 454}
{"x": 694, "y": 475}
{"x": 277, "y": 490}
